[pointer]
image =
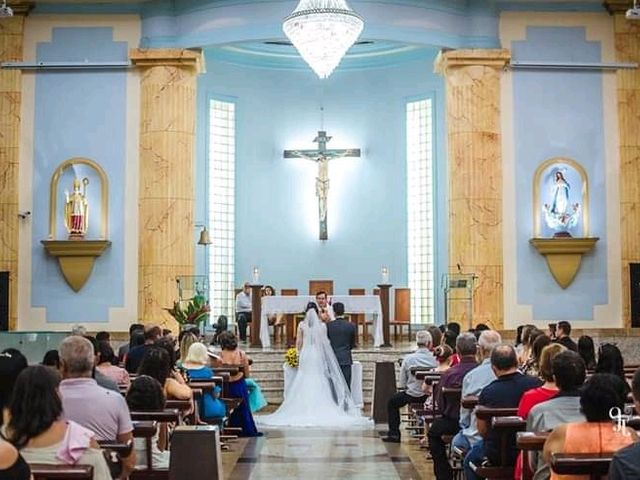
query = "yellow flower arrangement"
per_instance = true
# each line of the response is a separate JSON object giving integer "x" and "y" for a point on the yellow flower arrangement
{"x": 291, "y": 357}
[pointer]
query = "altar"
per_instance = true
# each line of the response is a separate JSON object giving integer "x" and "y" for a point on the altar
{"x": 367, "y": 304}
{"x": 356, "y": 381}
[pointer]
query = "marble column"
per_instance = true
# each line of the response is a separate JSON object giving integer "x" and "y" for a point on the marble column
{"x": 627, "y": 43}
{"x": 11, "y": 42}
{"x": 472, "y": 82}
{"x": 166, "y": 197}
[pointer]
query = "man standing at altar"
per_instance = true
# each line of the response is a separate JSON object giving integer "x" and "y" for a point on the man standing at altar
{"x": 243, "y": 310}
{"x": 325, "y": 311}
{"x": 342, "y": 336}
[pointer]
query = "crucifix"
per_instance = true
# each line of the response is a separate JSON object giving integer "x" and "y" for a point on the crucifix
{"x": 322, "y": 156}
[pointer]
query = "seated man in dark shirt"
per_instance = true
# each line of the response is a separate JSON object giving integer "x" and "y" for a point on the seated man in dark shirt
{"x": 504, "y": 392}
{"x": 136, "y": 354}
{"x": 564, "y": 338}
{"x": 466, "y": 347}
{"x": 626, "y": 462}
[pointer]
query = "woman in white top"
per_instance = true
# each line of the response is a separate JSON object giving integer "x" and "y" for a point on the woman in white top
{"x": 35, "y": 428}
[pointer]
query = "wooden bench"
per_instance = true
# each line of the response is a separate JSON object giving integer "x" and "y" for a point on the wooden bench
{"x": 41, "y": 471}
{"x": 147, "y": 430}
{"x": 123, "y": 450}
{"x": 595, "y": 466}
{"x": 530, "y": 442}
{"x": 469, "y": 402}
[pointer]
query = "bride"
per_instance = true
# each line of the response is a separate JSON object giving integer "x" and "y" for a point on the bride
{"x": 318, "y": 395}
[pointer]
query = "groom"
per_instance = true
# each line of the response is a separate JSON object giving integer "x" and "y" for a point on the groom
{"x": 342, "y": 336}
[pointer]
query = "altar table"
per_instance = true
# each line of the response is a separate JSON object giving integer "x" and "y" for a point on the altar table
{"x": 367, "y": 304}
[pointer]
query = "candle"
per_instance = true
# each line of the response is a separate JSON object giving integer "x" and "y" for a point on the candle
{"x": 256, "y": 275}
{"x": 385, "y": 275}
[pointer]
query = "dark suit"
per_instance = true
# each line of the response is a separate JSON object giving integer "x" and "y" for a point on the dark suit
{"x": 342, "y": 336}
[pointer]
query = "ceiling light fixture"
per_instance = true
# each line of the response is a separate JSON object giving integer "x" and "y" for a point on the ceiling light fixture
{"x": 322, "y": 31}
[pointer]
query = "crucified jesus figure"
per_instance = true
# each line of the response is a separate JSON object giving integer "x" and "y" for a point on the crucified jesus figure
{"x": 322, "y": 156}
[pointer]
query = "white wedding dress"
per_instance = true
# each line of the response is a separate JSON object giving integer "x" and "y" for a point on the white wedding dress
{"x": 318, "y": 395}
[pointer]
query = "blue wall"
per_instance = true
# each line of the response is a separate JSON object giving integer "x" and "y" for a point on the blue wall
{"x": 79, "y": 114}
{"x": 559, "y": 114}
{"x": 276, "y": 207}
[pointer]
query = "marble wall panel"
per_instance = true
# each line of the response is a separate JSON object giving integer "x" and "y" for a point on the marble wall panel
{"x": 169, "y": 171}
{"x": 11, "y": 46}
{"x": 476, "y": 162}
{"x": 475, "y": 232}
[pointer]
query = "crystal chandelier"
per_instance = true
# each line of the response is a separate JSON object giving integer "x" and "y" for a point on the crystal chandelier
{"x": 322, "y": 31}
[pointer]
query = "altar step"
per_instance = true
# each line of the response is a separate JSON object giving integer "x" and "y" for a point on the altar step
{"x": 268, "y": 372}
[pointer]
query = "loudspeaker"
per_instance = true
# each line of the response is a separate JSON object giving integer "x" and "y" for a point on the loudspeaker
{"x": 634, "y": 293}
{"x": 4, "y": 301}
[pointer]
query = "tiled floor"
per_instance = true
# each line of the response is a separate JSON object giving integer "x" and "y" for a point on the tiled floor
{"x": 325, "y": 454}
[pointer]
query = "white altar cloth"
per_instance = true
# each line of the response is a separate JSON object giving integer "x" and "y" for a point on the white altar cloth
{"x": 356, "y": 381}
{"x": 367, "y": 304}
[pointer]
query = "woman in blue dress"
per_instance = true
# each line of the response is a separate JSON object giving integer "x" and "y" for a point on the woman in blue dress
{"x": 196, "y": 365}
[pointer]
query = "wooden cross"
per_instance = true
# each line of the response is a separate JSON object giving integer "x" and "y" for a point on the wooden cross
{"x": 322, "y": 156}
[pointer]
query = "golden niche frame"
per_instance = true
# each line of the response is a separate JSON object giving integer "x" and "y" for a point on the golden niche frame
{"x": 562, "y": 252}
{"x": 76, "y": 257}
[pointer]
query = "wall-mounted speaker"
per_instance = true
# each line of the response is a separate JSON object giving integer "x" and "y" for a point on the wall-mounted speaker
{"x": 634, "y": 293}
{"x": 4, "y": 301}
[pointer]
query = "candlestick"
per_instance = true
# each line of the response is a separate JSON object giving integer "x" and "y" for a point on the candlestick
{"x": 385, "y": 275}
{"x": 256, "y": 275}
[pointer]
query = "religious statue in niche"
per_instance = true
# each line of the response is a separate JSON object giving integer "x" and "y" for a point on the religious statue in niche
{"x": 561, "y": 215}
{"x": 561, "y": 199}
{"x": 76, "y": 209}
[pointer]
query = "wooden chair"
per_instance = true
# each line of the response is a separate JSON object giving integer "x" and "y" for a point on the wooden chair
{"x": 359, "y": 319}
{"x": 595, "y": 465}
{"x": 41, "y": 471}
{"x": 402, "y": 312}
{"x": 316, "y": 286}
{"x": 288, "y": 319}
{"x": 278, "y": 330}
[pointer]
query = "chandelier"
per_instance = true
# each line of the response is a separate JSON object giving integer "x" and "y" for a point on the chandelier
{"x": 322, "y": 31}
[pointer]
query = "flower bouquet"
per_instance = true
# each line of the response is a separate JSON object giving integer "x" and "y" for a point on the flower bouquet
{"x": 291, "y": 357}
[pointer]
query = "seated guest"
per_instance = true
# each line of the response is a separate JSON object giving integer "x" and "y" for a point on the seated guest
{"x": 157, "y": 364}
{"x": 411, "y": 387}
{"x": 587, "y": 351}
{"x": 610, "y": 361}
{"x": 108, "y": 369}
{"x": 436, "y": 336}
{"x": 196, "y": 366}
{"x": 444, "y": 356}
{"x": 169, "y": 345}
{"x": 136, "y": 354}
{"x": 449, "y": 338}
{"x": 454, "y": 327}
{"x": 601, "y": 393}
{"x": 12, "y": 362}
{"x": 568, "y": 374}
{"x": 563, "y": 333}
{"x": 12, "y": 465}
{"x": 524, "y": 353}
{"x": 504, "y": 392}
{"x": 472, "y": 385}
{"x": 626, "y": 462}
{"x": 37, "y": 429}
{"x": 51, "y": 359}
{"x": 103, "y": 337}
{"x": 532, "y": 365}
{"x": 124, "y": 349}
{"x": 243, "y": 310}
{"x": 146, "y": 395}
{"x": 232, "y": 355}
{"x": 548, "y": 390}
{"x": 447, "y": 424}
{"x": 102, "y": 411}
{"x": 186, "y": 341}
{"x": 102, "y": 380}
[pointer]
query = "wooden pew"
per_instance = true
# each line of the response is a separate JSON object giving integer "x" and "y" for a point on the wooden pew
{"x": 147, "y": 430}
{"x": 505, "y": 428}
{"x": 41, "y": 471}
{"x": 595, "y": 466}
{"x": 469, "y": 402}
{"x": 530, "y": 442}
